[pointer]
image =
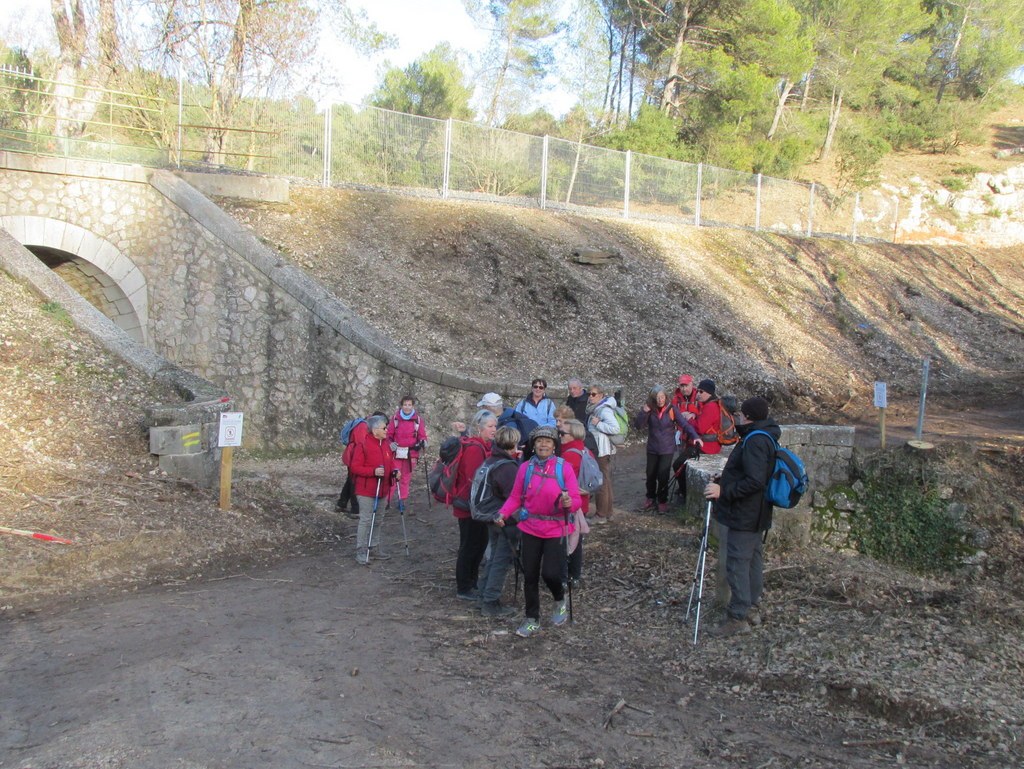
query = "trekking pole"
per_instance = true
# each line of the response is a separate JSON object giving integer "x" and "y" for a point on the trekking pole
{"x": 426, "y": 483}
{"x": 565, "y": 540}
{"x": 401, "y": 513}
{"x": 698, "y": 573}
{"x": 373, "y": 516}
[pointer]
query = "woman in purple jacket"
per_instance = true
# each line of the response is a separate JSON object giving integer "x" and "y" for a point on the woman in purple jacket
{"x": 544, "y": 495}
{"x": 660, "y": 419}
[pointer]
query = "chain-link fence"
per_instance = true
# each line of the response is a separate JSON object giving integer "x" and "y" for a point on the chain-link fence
{"x": 197, "y": 127}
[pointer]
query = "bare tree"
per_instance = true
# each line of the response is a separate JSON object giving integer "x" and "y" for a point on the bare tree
{"x": 87, "y": 60}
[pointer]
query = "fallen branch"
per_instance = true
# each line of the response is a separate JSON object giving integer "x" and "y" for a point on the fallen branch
{"x": 617, "y": 709}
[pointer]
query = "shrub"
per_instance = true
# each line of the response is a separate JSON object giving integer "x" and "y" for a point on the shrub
{"x": 953, "y": 183}
{"x": 901, "y": 517}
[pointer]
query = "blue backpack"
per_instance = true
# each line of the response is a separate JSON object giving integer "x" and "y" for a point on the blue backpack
{"x": 347, "y": 428}
{"x": 788, "y": 480}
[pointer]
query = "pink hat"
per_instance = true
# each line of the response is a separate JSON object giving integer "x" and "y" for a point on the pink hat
{"x": 685, "y": 379}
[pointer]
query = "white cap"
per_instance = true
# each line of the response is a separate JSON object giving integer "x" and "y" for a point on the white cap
{"x": 489, "y": 399}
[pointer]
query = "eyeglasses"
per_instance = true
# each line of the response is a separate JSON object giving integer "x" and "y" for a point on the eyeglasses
{"x": 540, "y": 387}
{"x": 562, "y": 432}
{"x": 594, "y": 395}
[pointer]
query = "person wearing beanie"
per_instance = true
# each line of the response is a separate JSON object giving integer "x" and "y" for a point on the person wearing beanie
{"x": 741, "y": 507}
{"x": 707, "y": 422}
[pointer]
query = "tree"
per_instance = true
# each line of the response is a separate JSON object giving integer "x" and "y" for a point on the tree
{"x": 974, "y": 44}
{"x": 520, "y": 51}
{"x": 433, "y": 85}
{"x": 88, "y": 56}
{"x": 773, "y": 34}
{"x": 242, "y": 48}
{"x": 855, "y": 41}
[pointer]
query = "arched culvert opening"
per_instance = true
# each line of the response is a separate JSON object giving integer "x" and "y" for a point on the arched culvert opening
{"x": 95, "y": 286}
{"x": 94, "y": 267}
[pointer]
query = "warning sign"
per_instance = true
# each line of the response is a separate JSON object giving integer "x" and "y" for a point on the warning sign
{"x": 230, "y": 429}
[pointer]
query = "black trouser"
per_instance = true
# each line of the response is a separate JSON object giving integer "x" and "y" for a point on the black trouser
{"x": 659, "y": 467}
{"x": 473, "y": 537}
{"x": 348, "y": 497}
{"x": 541, "y": 558}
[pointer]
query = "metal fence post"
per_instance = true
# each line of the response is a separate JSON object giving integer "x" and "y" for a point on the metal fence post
{"x": 757, "y": 206}
{"x": 447, "y": 165}
{"x": 810, "y": 213}
{"x": 700, "y": 184}
{"x": 328, "y": 142}
{"x": 544, "y": 173}
{"x": 856, "y": 213}
{"x": 925, "y": 366}
{"x": 181, "y": 108}
{"x": 625, "y": 194}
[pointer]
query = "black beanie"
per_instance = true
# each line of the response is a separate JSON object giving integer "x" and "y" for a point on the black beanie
{"x": 755, "y": 409}
{"x": 707, "y": 385}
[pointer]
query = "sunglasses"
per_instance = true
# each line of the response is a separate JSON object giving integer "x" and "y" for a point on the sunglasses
{"x": 594, "y": 395}
{"x": 540, "y": 387}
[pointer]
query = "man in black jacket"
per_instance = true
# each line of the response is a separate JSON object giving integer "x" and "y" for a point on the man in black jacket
{"x": 740, "y": 506}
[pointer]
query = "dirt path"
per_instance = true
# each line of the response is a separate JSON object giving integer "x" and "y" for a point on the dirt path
{"x": 319, "y": 662}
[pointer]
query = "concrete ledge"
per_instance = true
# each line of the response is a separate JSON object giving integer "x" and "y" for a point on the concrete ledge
{"x": 93, "y": 169}
{"x": 266, "y": 188}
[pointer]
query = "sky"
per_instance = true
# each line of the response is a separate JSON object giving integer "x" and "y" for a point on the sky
{"x": 419, "y": 25}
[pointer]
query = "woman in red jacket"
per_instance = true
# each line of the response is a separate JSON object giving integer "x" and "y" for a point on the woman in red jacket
{"x": 473, "y": 535}
{"x": 709, "y": 420}
{"x": 373, "y": 466}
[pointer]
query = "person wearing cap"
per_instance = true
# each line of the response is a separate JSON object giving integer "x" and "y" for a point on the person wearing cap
{"x": 707, "y": 421}
{"x": 507, "y": 417}
{"x": 543, "y": 497}
{"x": 537, "y": 405}
{"x": 684, "y": 399}
{"x": 741, "y": 507}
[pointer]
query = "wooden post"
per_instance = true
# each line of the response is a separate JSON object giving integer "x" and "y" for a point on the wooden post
{"x": 225, "y": 477}
{"x": 881, "y": 424}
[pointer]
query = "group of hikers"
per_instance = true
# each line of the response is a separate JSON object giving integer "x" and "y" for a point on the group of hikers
{"x": 526, "y": 482}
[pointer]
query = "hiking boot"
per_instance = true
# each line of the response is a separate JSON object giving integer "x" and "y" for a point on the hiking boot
{"x": 495, "y": 609}
{"x": 648, "y": 504}
{"x": 377, "y": 555}
{"x": 561, "y": 614}
{"x": 755, "y": 617}
{"x": 470, "y": 595}
{"x": 528, "y": 628}
{"x": 597, "y": 520}
{"x": 363, "y": 559}
{"x": 730, "y": 627}
{"x": 662, "y": 508}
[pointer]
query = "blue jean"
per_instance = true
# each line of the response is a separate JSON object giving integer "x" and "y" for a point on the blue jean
{"x": 493, "y": 580}
{"x": 744, "y": 568}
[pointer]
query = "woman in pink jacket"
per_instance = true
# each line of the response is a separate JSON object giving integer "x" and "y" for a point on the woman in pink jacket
{"x": 407, "y": 435}
{"x": 541, "y": 500}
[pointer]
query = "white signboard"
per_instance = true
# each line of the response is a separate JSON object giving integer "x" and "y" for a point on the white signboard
{"x": 880, "y": 395}
{"x": 230, "y": 429}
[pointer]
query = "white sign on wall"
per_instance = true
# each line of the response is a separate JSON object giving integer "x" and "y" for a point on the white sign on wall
{"x": 230, "y": 429}
{"x": 880, "y": 395}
